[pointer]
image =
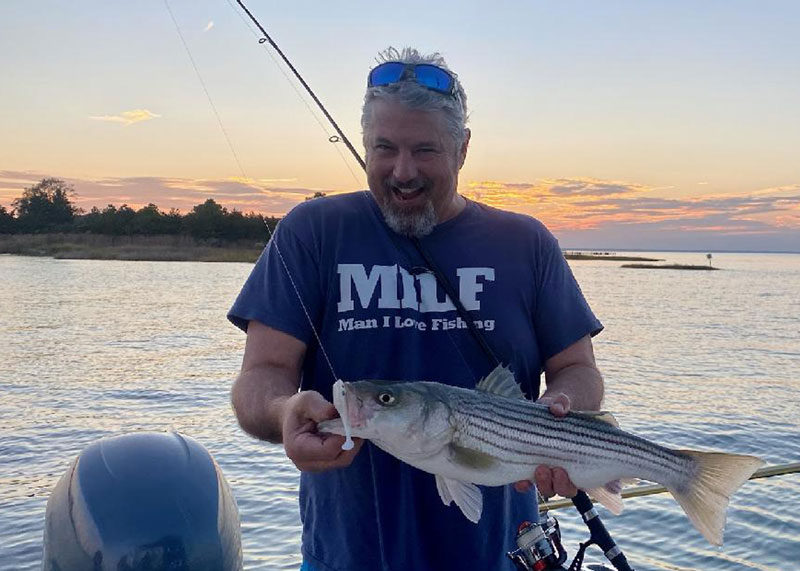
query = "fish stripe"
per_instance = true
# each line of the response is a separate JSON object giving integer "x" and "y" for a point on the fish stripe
{"x": 517, "y": 429}
{"x": 521, "y": 412}
{"x": 498, "y": 440}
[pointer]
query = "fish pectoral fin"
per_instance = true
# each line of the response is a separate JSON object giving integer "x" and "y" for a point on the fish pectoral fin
{"x": 470, "y": 458}
{"x": 609, "y": 495}
{"x": 444, "y": 493}
{"x": 467, "y": 497}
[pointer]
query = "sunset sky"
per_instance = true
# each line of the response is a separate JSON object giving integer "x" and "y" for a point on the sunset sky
{"x": 621, "y": 125}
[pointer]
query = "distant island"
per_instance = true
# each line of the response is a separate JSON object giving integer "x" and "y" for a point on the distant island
{"x": 610, "y": 256}
{"x": 669, "y": 266}
{"x": 45, "y": 222}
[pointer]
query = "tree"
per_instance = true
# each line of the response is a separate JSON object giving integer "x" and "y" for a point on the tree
{"x": 148, "y": 220}
{"x": 317, "y": 194}
{"x": 45, "y": 206}
{"x": 7, "y": 222}
{"x": 173, "y": 221}
{"x": 207, "y": 221}
{"x": 124, "y": 220}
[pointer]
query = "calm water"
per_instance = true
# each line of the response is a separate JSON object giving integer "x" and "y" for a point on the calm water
{"x": 691, "y": 359}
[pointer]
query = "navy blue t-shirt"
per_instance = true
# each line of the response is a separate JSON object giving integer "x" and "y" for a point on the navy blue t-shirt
{"x": 380, "y": 315}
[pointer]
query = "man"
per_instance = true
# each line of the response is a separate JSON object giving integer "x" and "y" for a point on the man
{"x": 342, "y": 291}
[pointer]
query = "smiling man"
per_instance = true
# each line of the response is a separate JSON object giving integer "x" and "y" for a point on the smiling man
{"x": 343, "y": 290}
{"x": 412, "y": 165}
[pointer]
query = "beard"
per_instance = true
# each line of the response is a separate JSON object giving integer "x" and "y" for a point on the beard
{"x": 416, "y": 222}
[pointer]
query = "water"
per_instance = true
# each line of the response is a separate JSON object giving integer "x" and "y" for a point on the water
{"x": 691, "y": 359}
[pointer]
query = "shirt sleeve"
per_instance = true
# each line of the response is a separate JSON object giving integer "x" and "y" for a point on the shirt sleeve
{"x": 562, "y": 315}
{"x": 283, "y": 290}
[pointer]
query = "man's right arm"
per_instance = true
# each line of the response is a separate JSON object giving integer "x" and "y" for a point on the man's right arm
{"x": 268, "y": 405}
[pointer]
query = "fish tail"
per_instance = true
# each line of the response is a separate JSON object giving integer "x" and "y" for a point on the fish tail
{"x": 705, "y": 496}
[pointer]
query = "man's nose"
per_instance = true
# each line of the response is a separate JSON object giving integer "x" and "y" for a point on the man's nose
{"x": 405, "y": 167}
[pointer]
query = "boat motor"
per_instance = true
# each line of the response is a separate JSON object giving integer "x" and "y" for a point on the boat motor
{"x": 142, "y": 502}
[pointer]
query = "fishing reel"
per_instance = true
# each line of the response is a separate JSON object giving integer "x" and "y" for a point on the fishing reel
{"x": 538, "y": 546}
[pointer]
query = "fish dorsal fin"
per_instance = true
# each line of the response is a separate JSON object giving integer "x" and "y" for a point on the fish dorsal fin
{"x": 601, "y": 415}
{"x": 501, "y": 382}
{"x": 466, "y": 496}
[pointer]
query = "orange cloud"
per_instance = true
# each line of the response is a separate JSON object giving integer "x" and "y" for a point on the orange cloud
{"x": 584, "y": 211}
{"x": 571, "y": 204}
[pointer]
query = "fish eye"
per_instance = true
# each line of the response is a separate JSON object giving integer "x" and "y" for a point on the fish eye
{"x": 386, "y": 398}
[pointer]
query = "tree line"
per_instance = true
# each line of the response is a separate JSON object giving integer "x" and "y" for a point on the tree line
{"x": 48, "y": 207}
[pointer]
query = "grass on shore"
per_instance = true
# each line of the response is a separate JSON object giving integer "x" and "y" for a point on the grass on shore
{"x": 139, "y": 248}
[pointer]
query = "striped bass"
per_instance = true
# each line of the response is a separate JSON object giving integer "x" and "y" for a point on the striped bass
{"x": 493, "y": 436}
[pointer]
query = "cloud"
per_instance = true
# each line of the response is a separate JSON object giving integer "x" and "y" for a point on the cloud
{"x": 581, "y": 212}
{"x": 209, "y": 26}
{"x": 273, "y": 197}
{"x": 589, "y": 187}
{"x": 127, "y": 117}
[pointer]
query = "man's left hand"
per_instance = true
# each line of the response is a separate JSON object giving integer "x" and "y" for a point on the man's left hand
{"x": 551, "y": 481}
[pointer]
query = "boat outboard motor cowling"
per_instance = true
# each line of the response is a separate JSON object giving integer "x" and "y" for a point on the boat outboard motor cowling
{"x": 142, "y": 502}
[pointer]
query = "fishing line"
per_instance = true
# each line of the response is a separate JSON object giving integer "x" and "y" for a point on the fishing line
{"x": 331, "y": 138}
{"x": 273, "y": 240}
{"x": 299, "y": 77}
{"x": 440, "y": 278}
{"x": 205, "y": 89}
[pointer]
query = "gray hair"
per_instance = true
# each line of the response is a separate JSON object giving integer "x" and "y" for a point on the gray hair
{"x": 416, "y": 96}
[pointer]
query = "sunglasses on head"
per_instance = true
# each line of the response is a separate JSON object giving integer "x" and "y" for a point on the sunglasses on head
{"x": 425, "y": 74}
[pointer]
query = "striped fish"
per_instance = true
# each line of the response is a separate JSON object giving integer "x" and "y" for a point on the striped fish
{"x": 493, "y": 436}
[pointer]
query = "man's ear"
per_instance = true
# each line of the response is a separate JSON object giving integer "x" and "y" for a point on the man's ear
{"x": 462, "y": 152}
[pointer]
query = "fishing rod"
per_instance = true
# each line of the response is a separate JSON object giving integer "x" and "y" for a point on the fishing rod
{"x": 342, "y": 136}
{"x": 545, "y": 536}
{"x": 650, "y": 489}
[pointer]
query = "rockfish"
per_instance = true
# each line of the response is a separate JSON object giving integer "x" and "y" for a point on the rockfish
{"x": 493, "y": 436}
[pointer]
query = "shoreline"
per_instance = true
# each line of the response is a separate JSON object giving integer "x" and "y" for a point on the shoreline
{"x": 166, "y": 248}
{"x": 183, "y": 248}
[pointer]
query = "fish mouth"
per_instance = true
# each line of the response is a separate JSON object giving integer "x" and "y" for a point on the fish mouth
{"x": 357, "y": 413}
{"x": 350, "y": 406}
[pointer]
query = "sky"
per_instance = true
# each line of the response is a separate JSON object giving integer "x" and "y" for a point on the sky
{"x": 652, "y": 125}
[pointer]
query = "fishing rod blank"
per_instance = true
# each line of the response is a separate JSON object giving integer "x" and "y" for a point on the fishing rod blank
{"x": 302, "y": 81}
{"x": 649, "y": 490}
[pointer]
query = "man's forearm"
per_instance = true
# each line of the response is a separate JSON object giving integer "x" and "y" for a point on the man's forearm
{"x": 258, "y": 397}
{"x": 583, "y": 384}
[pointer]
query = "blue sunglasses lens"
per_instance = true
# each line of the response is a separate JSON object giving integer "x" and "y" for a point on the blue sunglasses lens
{"x": 426, "y": 75}
{"x": 386, "y": 73}
{"x": 434, "y": 78}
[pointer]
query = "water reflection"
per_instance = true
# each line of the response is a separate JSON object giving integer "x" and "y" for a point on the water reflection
{"x": 94, "y": 348}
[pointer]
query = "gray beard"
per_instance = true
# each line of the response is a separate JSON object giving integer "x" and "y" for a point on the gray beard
{"x": 411, "y": 224}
